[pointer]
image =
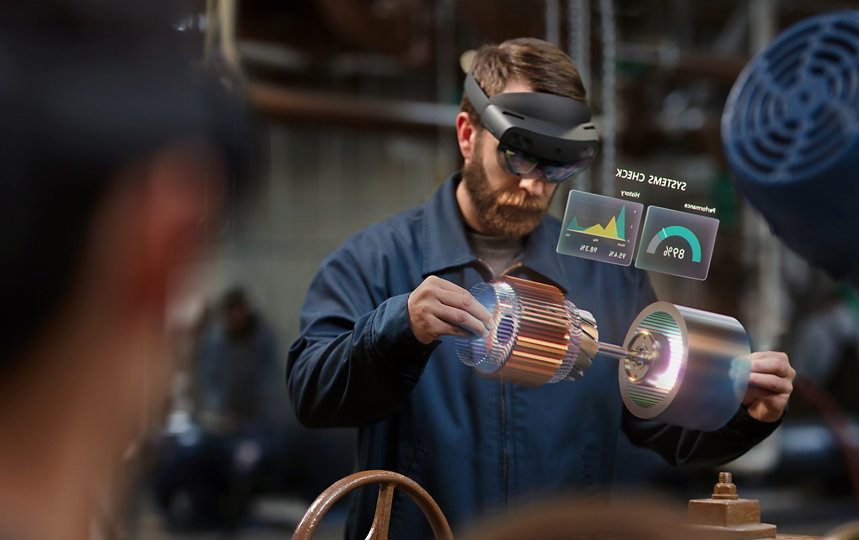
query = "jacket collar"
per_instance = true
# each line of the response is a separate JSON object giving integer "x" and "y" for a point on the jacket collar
{"x": 444, "y": 241}
{"x": 445, "y": 244}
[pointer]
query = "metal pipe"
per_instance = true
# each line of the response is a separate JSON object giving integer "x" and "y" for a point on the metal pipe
{"x": 325, "y": 108}
{"x": 579, "y": 37}
{"x": 609, "y": 95}
{"x": 552, "y": 16}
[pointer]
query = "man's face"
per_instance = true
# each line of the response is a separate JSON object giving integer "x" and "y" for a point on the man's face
{"x": 505, "y": 204}
{"x": 238, "y": 317}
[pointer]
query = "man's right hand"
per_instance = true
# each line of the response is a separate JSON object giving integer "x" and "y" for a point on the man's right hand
{"x": 438, "y": 307}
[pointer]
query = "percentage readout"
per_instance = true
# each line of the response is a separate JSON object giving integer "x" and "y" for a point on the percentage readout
{"x": 588, "y": 249}
{"x": 674, "y": 252}
{"x": 617, "y": 255}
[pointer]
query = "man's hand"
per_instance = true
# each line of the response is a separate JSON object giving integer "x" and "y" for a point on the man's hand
{"x": 770, "y": 385}
{"x": 438, "y": 307}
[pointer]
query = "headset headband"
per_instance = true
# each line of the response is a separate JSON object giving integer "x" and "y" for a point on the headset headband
{"x": 548, "y": 126}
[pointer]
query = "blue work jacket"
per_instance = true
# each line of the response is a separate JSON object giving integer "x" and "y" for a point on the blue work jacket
{"x": 476, "y": 445}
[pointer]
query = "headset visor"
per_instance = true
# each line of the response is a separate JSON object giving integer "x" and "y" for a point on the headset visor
{"x": 522, "y": 163}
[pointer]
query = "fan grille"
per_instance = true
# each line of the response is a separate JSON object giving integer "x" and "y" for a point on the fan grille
{"x": 793, "y": 111}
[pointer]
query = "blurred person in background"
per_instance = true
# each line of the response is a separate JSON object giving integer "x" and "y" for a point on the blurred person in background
{"x": 237, "y": 368}
{"x": 373, "y": 350}
{"x": 208, "y": 480}
{"x": 117, "y": 157}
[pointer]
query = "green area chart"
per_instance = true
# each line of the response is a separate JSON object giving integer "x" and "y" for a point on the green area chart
{"x": 614, "y": 229}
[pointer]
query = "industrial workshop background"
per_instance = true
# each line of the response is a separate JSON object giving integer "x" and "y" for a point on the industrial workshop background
{"x": 355, "y": 102}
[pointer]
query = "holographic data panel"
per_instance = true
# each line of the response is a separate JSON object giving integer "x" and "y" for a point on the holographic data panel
{"x": 600, "y": 228}
{"x": 677, "y": 243}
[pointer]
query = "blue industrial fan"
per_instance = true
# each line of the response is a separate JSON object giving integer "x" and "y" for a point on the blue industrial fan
{"x": 790, "y": 129}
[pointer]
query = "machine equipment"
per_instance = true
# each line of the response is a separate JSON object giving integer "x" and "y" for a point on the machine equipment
{"x": 680, "y": 365}
{"x": 790, "y": 130}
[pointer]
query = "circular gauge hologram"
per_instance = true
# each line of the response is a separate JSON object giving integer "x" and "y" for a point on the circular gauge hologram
{"x": 537, "y": 335}
{"x": 790, "y": 130}
{"x": 679, "y": 231}
{"x": 698, "y": 368}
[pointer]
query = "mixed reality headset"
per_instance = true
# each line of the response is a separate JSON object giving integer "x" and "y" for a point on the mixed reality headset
{"x": 547, "y": 133}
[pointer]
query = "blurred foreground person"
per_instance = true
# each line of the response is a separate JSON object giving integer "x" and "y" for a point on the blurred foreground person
{"x": 115, "y": 158}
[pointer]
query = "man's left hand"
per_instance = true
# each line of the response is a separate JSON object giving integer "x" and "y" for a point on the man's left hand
{"x": 770, "y": 385}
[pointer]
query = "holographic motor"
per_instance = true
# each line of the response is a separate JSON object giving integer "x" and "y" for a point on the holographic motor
{"x": 677, "y": 364}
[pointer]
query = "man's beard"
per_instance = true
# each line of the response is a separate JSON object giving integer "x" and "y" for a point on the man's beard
{"x": 510, "y": 213}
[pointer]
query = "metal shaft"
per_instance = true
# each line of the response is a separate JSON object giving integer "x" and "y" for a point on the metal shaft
{"x": 620, "y": 353}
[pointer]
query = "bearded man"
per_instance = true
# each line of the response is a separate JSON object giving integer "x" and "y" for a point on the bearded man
{"x": 374, "y": 352}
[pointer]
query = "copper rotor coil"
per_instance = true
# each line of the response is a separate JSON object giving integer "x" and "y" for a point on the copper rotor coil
{"x": 543, "y": 334}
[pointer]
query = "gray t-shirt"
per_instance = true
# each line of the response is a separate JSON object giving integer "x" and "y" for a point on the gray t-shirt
{"x": 499, "y": 253}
